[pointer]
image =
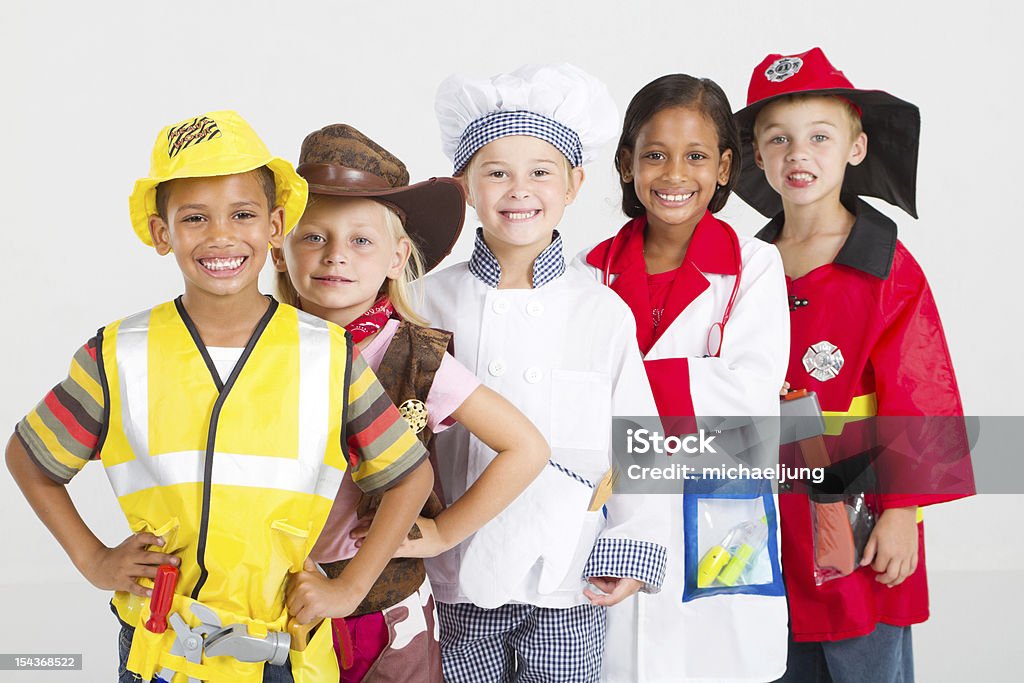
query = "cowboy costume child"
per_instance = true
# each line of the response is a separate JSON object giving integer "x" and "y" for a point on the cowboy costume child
{"x": 365, "y": 236}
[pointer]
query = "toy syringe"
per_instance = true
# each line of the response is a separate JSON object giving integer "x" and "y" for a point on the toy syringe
{"x": 726, "y": 562}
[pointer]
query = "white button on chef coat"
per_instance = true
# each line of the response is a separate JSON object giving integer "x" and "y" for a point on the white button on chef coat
{"x": 533, "y": 375}
{"x": 590, "y": 369}
{"x": 535, "y": 308}
{"x": 496, "y": 368}
{"x": 500, "y": 306}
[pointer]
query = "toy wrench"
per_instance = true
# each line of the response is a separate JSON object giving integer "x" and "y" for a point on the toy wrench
{"x": 188, "y": 642}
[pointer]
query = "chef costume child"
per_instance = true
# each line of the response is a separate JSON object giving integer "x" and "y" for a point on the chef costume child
{"x": 866, "y": 338}
{"x": 196, "y": 419}
{"x": 710, "y": 309}
{"x": 562, "y": 349}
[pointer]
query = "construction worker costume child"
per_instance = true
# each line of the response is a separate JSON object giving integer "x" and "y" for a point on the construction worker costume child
{"x": 234, "y": 468}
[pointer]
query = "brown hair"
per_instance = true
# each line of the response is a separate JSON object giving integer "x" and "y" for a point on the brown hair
{"x": 397, "y": 289}
{"x": 679, "y": 90}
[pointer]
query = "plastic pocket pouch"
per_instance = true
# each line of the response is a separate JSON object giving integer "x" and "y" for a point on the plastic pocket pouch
{"x": 730, "y": 539}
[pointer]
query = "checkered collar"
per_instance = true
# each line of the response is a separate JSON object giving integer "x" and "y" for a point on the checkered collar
{"x": 549, "y": 265}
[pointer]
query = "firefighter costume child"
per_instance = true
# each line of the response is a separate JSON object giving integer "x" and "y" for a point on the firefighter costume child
{"x": 225, "y": 460}
{"x": 865, "y": 337}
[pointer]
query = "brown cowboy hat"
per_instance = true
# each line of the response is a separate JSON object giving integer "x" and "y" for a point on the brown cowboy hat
{"x": 340, "y": 161}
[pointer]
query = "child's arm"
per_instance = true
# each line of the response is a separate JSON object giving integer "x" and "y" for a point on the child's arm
{"x": 632, "y": 550}
{"x": 107, "y": 568}
{"x": 312, "y": 595}
{"x": 522, "y": 453}
{"x": 389, "y": 460}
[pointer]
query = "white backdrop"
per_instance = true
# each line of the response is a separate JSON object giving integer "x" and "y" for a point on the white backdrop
{"x": 86, "y": 86}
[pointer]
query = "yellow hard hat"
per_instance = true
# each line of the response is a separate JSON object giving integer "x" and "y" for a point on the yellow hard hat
{"x": 213, "y": 144}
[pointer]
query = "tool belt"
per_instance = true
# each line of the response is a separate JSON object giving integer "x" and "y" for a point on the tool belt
{"x": 182, "y": 648}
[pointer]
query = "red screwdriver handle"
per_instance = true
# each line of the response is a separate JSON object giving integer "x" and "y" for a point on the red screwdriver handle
{"x": 345, "y": 646}
{"x": 160, "y": 600}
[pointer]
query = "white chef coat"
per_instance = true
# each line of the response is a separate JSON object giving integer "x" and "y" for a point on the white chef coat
{"x": 565, "y": 354}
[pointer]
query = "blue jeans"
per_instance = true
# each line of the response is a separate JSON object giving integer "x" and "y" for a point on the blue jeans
{"x": 271, "y": 674}
{"x": 883, "y": 656}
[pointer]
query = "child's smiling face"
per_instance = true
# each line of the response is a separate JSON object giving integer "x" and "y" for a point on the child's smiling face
{"x": 520, "y": 186}
{"x": 219, "y": 228}
{"x": 339, "y": 255}
{"x": 804, "y": 146}
{"x": 675, "y": 167}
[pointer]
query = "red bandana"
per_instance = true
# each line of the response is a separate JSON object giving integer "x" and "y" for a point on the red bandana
{"x": 371, "y": 321}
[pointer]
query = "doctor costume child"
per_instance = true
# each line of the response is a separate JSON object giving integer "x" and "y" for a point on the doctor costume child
{"x": 561, "y": 348}
{"x": 711, "y": 317}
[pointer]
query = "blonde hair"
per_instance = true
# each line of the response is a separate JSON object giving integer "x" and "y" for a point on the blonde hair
{"x": 853, "y": 117}
{"x": 397, "y": 289}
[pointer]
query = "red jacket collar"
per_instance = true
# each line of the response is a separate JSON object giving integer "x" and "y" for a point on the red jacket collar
{"x": 711, "y": 248}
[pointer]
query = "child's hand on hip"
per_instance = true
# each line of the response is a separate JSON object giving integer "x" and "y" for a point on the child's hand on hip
{"x": 119, "y": 568}
{"x": 892, "y": 548}
{"x": 430, "y": 543}
{"x": 615, "y": 589}
{"x": 311, "y": 596}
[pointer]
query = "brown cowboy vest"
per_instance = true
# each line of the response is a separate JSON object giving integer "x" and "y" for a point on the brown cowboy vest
{"x": 406, "y": 372}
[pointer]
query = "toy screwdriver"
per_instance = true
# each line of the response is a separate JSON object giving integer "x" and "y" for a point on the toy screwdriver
{"x": 161, "y": 598}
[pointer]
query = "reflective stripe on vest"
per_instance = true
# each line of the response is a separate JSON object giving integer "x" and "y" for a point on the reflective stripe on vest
{"x": 162, "y": 469}
{"x": 237, "y": 476}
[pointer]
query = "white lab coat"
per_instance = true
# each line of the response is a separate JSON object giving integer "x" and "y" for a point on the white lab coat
{"x": 565, "y": 354}
{"x": 735, "y": 637}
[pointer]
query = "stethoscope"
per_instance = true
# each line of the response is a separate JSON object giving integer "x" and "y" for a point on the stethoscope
{"x": 717, "y": 332}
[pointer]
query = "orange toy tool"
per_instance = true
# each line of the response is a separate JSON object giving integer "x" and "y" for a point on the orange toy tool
{"x": 834, "y": 547}
{"x": 301, "y": 634}
{"x": 161, "y": 598}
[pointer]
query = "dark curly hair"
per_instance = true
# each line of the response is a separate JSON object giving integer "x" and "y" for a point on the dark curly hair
{"x": 679, "y": 90}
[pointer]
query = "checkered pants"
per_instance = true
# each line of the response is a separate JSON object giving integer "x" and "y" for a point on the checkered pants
{"x": 521, "y": 643}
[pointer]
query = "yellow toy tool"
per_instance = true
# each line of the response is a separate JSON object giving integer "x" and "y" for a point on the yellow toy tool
{"x": 725, "y": 563}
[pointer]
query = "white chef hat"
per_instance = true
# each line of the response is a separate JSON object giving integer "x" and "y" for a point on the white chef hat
{"x": 558, "y": 103}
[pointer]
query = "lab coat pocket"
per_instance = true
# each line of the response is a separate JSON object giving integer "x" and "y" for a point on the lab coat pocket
{"x": 542, "y": 524}
{"x": 730, "y": 539}
{"x": 581, "y": 411}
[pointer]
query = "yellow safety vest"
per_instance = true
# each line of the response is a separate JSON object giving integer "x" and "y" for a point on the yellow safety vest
{"x": 237, "y": 477}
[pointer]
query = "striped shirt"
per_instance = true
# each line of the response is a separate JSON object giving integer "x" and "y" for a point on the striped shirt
{"x": 62, "y": 432}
